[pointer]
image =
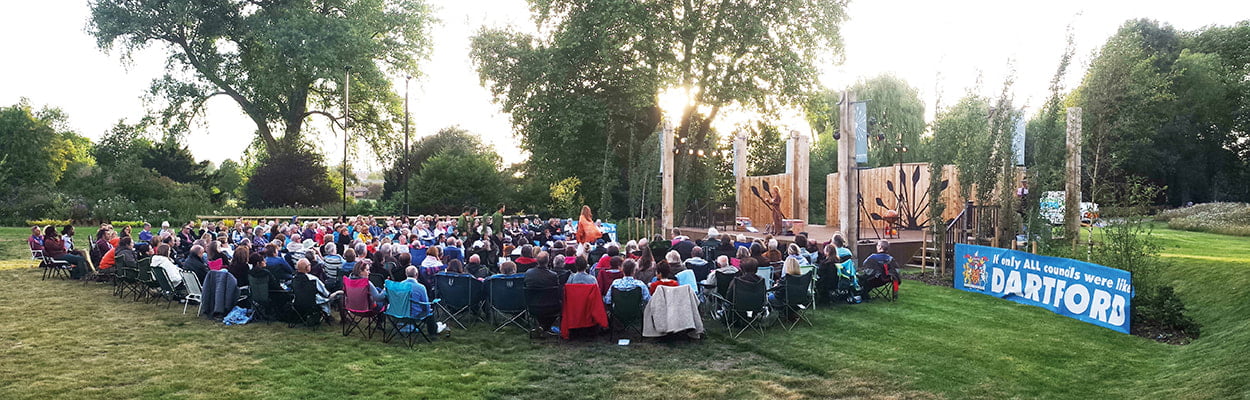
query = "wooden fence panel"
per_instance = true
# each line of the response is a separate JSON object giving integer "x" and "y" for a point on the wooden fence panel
{"x": 902, "y": 188}
{"x": 753, "y": 207}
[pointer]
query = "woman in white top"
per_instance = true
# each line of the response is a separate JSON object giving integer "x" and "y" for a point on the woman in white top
{"x": 161, "y": 259}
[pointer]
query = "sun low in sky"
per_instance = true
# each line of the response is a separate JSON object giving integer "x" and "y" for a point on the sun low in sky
{"x": 943, "y": 48}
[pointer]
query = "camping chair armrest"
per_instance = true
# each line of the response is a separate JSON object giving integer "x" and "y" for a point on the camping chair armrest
{"x": 719, "y": 298}
{"x": 426, "y": 303}
{"x": 775, "y": 288}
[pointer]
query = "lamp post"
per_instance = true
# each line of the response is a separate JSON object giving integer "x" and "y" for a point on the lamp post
{"x": 347, "y": 83}
{"x": 407, "y": 167}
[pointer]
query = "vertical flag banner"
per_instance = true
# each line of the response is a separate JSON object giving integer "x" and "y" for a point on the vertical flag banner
{"x": 860, "y": 112}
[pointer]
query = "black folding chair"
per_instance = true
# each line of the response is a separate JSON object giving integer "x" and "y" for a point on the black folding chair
{"x": 796, "y": 299}
{"x": 507, "y": 300}
{"x": 459, "y": 295}
{"x": 626, "y": 310}
{"x": 258, "y": 292}
{"x": 544, "y": 305}
{"x": 748, "y": 306}
{"x": 304, "y": 307}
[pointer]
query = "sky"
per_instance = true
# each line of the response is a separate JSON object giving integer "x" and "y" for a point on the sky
{"x": 943, "y": 48}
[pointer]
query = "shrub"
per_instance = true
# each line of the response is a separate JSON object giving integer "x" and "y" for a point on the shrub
{"x": 46, "y": 222}
{"x": 1222, "y": 218}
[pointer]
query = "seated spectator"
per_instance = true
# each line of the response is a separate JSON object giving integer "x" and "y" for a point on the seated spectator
{"x": 164, "y": 260}
{"x": 277, "y": 265}
{"x": 302, "y": 271}
{"x": 456, "y": 268}
{"x": 646, "y": 267}
{"x": 696, "y": 261}
{"x": 124, "y": 253}
{"x": 239, "y": 264}
{"x": 419, "y": 295}
{"x": 772, "y": 255}
{"x": 476, "y": 268}
{"x": 793, "y": 251}
{"x": 259, "y": 269}
{"x": 349, "y": 262}
{"x": 579, "y": 272}
{"x": 433, "y": 258}
{"x": 746, "y": 272}
{"x": 332, "y": 260}
{"x": 741, "y": 254}
{"x": 605, "y": 276}
{"x": 723, "y": 266}
{"x": 628, "y": 282}
{"x": 35, "y": 241}
{"x": 741, "y": 242}
{"x": 506, "y": 270}
{"x": 777, "y": 295}
{"x": 664, "y": 275}
{"x": 195, "y": 262}
{"x": 109, "y": 260}
{"x": 545, "y": 310}
{"x": 673, "y": 259}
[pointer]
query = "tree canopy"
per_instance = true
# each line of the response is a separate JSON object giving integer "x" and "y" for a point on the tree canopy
{"x": 280, "y": 61}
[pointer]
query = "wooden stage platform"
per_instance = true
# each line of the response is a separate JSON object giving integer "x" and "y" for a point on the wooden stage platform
{"x": 904, "y": 248}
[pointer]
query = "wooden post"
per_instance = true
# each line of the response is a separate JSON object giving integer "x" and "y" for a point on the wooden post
{"x": 802, "y": 169}
{"x": 1072, "y": 198}
{"x": 848, "y": 207}
{"x": 666, "y": 179}
{"x": 740, "y": 171}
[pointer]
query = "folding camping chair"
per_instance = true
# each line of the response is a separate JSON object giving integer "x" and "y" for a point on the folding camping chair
{"x": 796, "y": 299}
{"x": 543, "y": 304}
{"x": 164, "y": 287}
{"x": 458, "y": 295}
{"x": 626, "y": 310}
{"x": 147, "y": 286}
{"x": 304, "y": 306}
{"x": 358, "y": 307}
{"x": 194, "y": 291}
{"x": 879, "y": 280}
{"x": 402, "y": 323}
{"x": 54, "y": 268}
{"x": 258, "y": 292}
{"x": 767, "y": 274}
{"x": 748, "y": 304}
{"x": 507, "y": 300}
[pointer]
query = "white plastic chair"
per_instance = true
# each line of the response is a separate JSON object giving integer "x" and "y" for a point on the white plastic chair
{"x": 194, "y": 292}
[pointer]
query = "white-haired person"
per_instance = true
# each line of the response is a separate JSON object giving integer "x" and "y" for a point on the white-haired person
{"x": 303, "y": 270}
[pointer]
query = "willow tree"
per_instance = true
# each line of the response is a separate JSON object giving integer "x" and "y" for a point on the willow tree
{"x": 282, "y": 62}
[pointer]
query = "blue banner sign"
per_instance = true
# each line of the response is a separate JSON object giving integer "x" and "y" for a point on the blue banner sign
{"x": 1088, "y": 292}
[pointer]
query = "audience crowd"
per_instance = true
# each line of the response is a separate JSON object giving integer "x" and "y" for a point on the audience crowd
{"x": 331, "y": 254}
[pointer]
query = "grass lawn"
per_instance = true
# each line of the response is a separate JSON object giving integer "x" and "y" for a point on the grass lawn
{"x": 69, "y": 340}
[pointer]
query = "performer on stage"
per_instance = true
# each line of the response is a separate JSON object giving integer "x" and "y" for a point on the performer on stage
{"x": 587, "y": 232}
{"x": 774, "y": 203}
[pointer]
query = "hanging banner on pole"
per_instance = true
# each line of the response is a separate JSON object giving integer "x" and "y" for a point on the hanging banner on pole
{"x": 860, "y": 112}
{"x": 1088, "y": 292}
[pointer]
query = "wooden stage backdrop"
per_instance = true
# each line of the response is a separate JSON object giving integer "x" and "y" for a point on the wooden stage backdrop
{"x": 902, "y": 189}
{"x": 753, "y": 207}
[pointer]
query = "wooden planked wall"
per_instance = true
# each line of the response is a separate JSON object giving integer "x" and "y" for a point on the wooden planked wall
{"x": 874, "y": 184}
{"x": 753, "y": 207}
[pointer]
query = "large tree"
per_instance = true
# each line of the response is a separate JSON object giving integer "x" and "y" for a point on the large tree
{"x": 583, "y": 92}
{"x": 281, "y": 61}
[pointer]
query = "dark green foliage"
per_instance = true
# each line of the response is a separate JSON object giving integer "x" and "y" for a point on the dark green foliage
{"x": 1168, "y": 106}
{"x": 280, "y": 61}
{"x": 453, "y": 180}
{"x": 273, "y": 182}
{"x": 449, "y": 138}
{"x": 174, "y": 160}
{"x": 766, "y": 151}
